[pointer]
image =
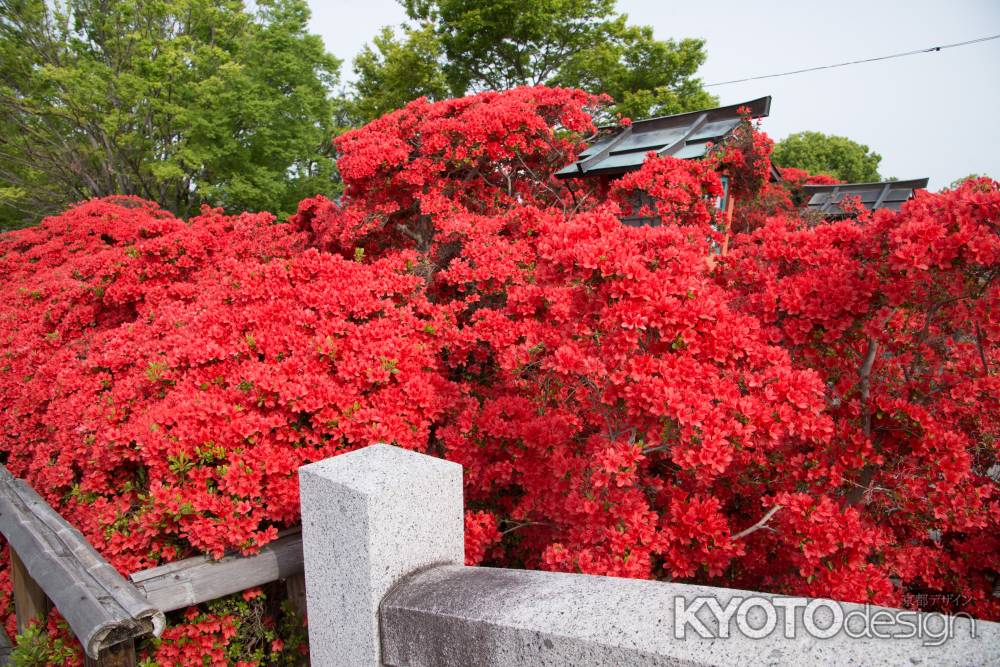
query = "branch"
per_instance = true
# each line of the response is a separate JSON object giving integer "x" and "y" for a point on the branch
{"x": 865, "y": 385}
{"x": 757, "y": 526}
{"x": 982, "y": 352}
{"x": 410, "y": 233}
{"x": 857, "y": 494}
{"x": 525, "y": 524}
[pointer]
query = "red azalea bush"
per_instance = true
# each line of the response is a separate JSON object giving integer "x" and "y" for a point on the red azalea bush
{"x": 163, "y": 381}
{"x": 813, "y": 413}
{"x": 897, "y": 313}
{"x": 786, "y": 196}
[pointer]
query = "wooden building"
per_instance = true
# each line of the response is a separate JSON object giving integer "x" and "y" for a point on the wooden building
{"x": 826, "y": 199}
{"x": 616, "y": 150}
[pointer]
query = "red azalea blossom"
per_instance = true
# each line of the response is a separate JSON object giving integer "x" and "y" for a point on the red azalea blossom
{"x": 620, "y": 405}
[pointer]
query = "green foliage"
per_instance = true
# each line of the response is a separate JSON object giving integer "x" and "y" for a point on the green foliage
{"x": 395, "y": 72}
{"x": 646, "y": 76}
{"x": 500, "y": 44}
{"x": 465, "y": 46}
{"x": 35, "y": 648}
{"x": 820, "y": 153}
{"x": 186, "y": 102}
{"x": 257, "y": 629}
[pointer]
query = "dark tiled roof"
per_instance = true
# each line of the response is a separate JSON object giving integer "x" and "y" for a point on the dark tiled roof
{"x": 887, "y": 194}
{"x": 616, "y": 150}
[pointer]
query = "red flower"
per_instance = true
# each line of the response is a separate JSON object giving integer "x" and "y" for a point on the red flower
{"x": 619, "y": 405}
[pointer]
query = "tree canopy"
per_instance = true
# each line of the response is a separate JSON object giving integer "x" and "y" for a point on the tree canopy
{"x": 463, "y": 46}
{"x": 181, "y": 101}
{"x": 830, "y": 154}
{"x": 192, "y": 102}
{"x": 397, "y": 70}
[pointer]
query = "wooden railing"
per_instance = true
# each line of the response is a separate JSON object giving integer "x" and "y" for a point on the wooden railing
{"x": 53, "y": 565}
{"x": 195, "y": 580}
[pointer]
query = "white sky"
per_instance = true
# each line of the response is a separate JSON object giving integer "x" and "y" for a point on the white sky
{"x": 934, "y": 114}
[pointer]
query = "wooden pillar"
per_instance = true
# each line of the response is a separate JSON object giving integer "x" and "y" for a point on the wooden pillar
{"x": 603, "y": 186}
{"x": 296, "y": 589}
{"x": 729, "y": 226}
{"x": 118, "y": 655}
{"x": 29, "y": 599}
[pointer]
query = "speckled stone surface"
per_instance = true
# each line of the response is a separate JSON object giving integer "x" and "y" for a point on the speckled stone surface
{"x": 369, "y": 518}
{"x": 474, "y": 616}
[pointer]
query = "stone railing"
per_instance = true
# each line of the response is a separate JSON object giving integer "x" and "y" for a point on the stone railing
{"x": 382, "y": 533}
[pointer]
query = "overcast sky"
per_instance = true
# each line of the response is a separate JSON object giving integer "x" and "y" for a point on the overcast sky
{"x": 933, "y": 114}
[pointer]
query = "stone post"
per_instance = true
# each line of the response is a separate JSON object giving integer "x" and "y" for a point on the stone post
{"x": 370, "y": 518}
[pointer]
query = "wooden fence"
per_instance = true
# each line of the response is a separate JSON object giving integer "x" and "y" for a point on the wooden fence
{"x": 53, "y": 565}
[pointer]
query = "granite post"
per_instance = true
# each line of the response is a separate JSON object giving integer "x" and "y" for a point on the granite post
{"x": 370, "y": 518}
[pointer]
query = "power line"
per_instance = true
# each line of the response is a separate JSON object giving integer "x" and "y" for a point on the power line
{"x": 856, "y": 62}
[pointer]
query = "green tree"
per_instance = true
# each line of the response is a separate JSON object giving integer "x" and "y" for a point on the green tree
{"x": 183, "y": 102}
{"x": 395, "y": 72}
{"x": 500, "y": 44}
{"x": 820, "y": 153}
{"x": 465, "y": 46}
{"x": 645, "y": 76}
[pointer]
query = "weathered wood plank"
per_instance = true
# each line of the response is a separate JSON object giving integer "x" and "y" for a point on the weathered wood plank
{"x": 6, "y": 646}
{"x": 195, "y": 580}
{"x": 100, "y": 606}
{"x": 30, "y": 602}
{"x": 118, "y": 655}
{"x": 296, "y": 588}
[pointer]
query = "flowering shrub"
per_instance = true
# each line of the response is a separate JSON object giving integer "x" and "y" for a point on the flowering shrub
{"x": 813, "y": 413}
{"x": 240, "y": 630}
{"x": 786, "y": 196}
{"x": 163, "y": 381}
{"x": 896, "y": 312}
